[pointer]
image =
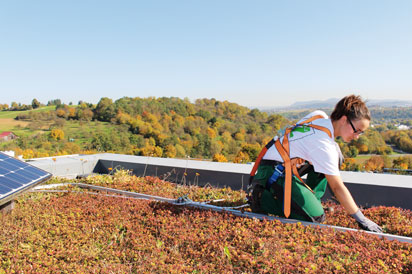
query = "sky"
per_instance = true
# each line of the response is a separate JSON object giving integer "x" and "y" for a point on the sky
{"x": 255, "y": 53}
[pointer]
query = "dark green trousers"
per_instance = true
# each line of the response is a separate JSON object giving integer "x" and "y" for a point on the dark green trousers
{"x": 305, "y": 205}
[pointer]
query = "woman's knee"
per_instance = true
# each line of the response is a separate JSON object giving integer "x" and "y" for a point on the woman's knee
{"x": 319, "y": 219}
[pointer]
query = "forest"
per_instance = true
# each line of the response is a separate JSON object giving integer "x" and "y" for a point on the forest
{"x": 171, "y": 127}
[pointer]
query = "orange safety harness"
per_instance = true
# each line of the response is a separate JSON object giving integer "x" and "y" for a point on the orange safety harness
{"x": 289, "y": 164}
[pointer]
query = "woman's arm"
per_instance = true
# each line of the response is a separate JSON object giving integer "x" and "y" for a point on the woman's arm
{"x": 346, "y": 200}
{"x": 342, "y": 193}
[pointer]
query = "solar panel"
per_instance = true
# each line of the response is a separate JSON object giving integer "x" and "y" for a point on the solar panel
{"x": 17, "y": 176}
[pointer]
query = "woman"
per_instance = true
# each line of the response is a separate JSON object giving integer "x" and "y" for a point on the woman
{"x": 309, "y": 148}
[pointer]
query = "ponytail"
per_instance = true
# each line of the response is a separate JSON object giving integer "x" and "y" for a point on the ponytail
{"x": 352, "y": 107}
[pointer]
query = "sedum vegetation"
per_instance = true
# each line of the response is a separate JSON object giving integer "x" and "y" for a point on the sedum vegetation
{"x": 84, "y": 233}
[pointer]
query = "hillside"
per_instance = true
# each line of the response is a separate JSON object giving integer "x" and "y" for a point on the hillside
{"x": 164, "y": 127}
{"x": 330, "y": 104}
{"x": 177, "y": 128}
{"x": 392, "y": 115}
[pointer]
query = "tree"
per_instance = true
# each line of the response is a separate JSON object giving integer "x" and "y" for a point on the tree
{"x": 375, "y": 163}
{"x": 35, "y": 104}
{"x": 28, "y": 154}
{"x": 180, "y": 151}
{"x": 72, "y": 113}
{"x": 252, "y": 150}
{"x": 405, "y": 144}
{"x": 402, "y": 162}
{"x": 277, "y": 121}
{"x": 101, "y": 142}
{"x": 353, "y": 152}
{"x": 362, "y": 144}
{"x": 84, "y": 114}
{"x": 350, "y": 164}
{"x": 55, "y": 102}
{"x": 170, "y": 151}
{"x": 211, "y": 132}
{"x": 150, "y": 150}
{"x": 241, "y": 157}
{"x": 105, "y": 110}
{"x": 61, "y": 112}
{"x": 57, "y": 134}
{"x": 387, "y": 161}
{"x": 239, "y": 136}
{"x": 216, "y": 147}
{"x": 217, "y": 157}
{"x": 14, "y": 106}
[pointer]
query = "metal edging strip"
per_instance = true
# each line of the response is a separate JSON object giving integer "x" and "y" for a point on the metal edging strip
{"x": 228, "y": 210}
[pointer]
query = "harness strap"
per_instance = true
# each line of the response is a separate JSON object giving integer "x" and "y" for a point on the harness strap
{"x": 295, "y": 162}
{"x": 284, "y": 152}
{"x": 324, "y": 129}
{"x": 289, "y": 164}
{"x": 259, "y": 158}
{"x": 287, "y": 189}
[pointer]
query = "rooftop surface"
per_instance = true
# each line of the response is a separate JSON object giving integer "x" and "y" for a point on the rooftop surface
{"x": 78, "y": 165}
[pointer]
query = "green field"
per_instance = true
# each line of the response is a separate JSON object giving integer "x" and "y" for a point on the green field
{"x": 79, "y": 132}
{"x": 8, "y": 122}
{"x": 82, "y": 132}
{"x": 18, "y": 127}
{"x": 13, "y": 114}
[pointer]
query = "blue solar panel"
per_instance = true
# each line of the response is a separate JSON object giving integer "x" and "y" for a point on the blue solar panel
{"x": 17, "y": 176}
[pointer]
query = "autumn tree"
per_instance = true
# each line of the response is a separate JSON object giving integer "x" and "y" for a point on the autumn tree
{"x": 170, "y": 151}
{"x": 252, "y": 150}
{"x": 180, "y": 151}
{"x": 241, "y": 157}
{"x": 71, "y": 113}
{"x": 57, "y": 134}
{"x": 402, "y": 162}
{"x": 351, "y": 165}
{"x": 375, "y": 163}
{"x": 84, "y": 114}
{"x": 217, "y": 157}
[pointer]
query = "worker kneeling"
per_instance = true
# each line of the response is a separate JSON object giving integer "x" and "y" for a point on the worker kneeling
{"x": 268, "y": 195}
{"x": 309, "y": 148}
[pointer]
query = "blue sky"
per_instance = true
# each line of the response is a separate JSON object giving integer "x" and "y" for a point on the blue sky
{"x": 255, "y": 53}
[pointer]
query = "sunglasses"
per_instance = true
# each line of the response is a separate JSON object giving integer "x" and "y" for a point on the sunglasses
{"x": 355, "y": 131}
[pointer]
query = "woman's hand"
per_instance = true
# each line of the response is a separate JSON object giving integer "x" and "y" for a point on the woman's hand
{"x": 346, "y": 200}
{"x": 365, "y": 223}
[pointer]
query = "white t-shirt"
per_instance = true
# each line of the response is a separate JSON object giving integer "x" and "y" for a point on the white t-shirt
{"x": 312, "y": 145}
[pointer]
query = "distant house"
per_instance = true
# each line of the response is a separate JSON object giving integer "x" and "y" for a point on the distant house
{"x": 7, "y": 136}
{"x": 402, "y": 127}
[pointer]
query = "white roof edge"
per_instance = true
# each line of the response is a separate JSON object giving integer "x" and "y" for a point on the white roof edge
{"x": 367, "y": 178}
{"x": 181, "y": 163}
{"x": 380, "y": 179}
